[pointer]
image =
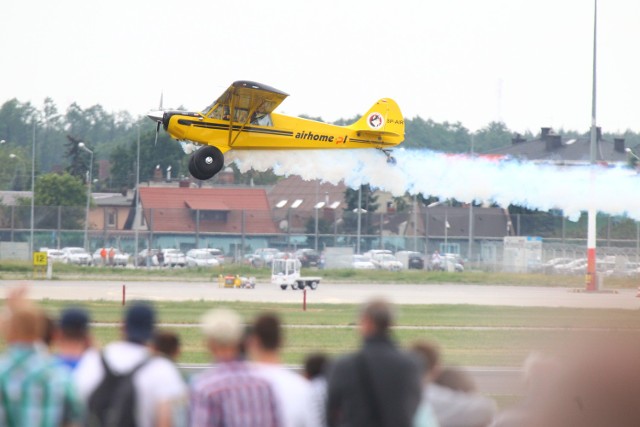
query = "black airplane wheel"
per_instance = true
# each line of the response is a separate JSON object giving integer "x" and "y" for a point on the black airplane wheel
{"x": 195, "y": 172}
{"x": 207, "y": 162}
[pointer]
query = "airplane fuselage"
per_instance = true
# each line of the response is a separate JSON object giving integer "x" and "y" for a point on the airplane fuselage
{"x": 284, "y": 133}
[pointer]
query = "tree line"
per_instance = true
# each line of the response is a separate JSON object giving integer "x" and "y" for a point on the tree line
{"x": 113, "y": 137}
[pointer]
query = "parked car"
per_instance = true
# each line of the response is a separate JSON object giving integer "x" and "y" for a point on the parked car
{"x": 148, "y": 258}
{"x": 453, "y": 262}
{"x": 448, "y": 262}
{"x": 387, "y": 262}
{"x": 266, "y": 255}
{"x": 119, "y": 258}
{"x": 53, "y": 255}
{"x": 361, "y": 262}
{"x": 576, "y": 266}
{"x": 201, "y": 258}
{"x": 217, "y": 254}
{"x": 74, "y": 255}
{"x": 173, "y": 258}
{"x": 411, "y": 259}
{"x": 308, "y": 257}
{"x": 548, "y": 267}
{"x": 252, "y": 260}
{"x": 375, "y": 252}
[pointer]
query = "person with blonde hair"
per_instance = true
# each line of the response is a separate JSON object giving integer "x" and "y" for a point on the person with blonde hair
{"x": 230, "y": 394}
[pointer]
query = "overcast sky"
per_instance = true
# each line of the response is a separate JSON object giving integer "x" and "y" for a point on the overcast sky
{"x": 527, "y": 63}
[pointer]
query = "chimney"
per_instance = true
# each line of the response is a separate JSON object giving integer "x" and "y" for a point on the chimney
{"x": 553, "y": 142}
{"x": 618, "y": 145}
{"x": 544, "y": 132}
{"x": 157, "y": 174}
{"x": 517, "y": 139}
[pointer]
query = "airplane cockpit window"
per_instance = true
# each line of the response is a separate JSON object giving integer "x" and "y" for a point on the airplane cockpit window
{"x": 240, "y": 115}
{"x": 261, "y": 119}
{"x": 221, "y": 112}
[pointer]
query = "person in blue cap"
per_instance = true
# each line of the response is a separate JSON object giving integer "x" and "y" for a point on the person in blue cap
{"x": 72, "y": 337}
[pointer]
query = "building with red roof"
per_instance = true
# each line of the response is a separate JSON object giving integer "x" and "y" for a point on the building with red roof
{"x": 209, "y": 210}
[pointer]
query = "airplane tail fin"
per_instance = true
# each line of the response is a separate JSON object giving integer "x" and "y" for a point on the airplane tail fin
{"x": 384, "y": 118}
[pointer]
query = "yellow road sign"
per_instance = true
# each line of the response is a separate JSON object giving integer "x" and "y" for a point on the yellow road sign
{"x": 39, "y": 259}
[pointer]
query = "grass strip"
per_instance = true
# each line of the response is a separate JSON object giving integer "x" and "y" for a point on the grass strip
{"x": 506, "y": 347}
{"x": 24, "y": 270}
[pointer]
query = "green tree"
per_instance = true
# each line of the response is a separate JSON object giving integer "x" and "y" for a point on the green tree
{"x": 166, "y": 152}
{"x": 79, "y": 159}
{"x": 65, "y": 190}
{"x": 16, "y": 122}
{"x": 54, "y": 189}
{"x": 324, "y": 227}
{"x": 494, "y": 135}
{"x": 447, "y": 137}
{"x": 368, "y": 204}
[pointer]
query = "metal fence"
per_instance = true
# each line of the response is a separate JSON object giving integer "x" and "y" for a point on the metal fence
{"x": 478, "y": 240}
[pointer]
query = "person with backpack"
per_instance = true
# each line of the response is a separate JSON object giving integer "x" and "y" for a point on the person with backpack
{"x": 125, "y": 385}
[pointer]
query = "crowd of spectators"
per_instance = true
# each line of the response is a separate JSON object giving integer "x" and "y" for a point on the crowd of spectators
{"x": 56, "y": 376}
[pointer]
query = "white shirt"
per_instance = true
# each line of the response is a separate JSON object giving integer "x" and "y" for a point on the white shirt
{"x": 293, "y": 394}
{"x": 156, "y": 382}
{"x": 459, "y": 409}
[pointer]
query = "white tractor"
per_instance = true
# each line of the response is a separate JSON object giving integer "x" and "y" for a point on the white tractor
{"x": 286, "y": 272}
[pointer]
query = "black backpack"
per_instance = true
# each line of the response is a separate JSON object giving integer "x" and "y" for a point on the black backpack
{"x": 113, "y": 402}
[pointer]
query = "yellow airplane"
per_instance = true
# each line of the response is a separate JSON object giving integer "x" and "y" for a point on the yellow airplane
{"x": 242, "y": 118}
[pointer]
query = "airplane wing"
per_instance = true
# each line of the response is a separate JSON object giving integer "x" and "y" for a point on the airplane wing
{"x": 252, "y": 96}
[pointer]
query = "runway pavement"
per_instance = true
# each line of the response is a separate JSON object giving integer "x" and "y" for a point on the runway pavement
{"x": 331, "y": 293}
{"x": 497, "y": 381}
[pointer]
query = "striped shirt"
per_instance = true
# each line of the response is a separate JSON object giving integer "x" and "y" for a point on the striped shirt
{"x": 231, "y": 395}
{"x": 35, "y": 390}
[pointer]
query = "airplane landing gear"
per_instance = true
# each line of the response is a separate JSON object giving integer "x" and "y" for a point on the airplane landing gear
{"x": 390, "y": 159}
{"x": 206, "y": 162}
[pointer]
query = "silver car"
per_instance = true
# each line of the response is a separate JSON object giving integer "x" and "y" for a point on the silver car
{"x": 174, "y": 258}
{"x": 78, "y": 256}
{"x": 201, "y": 258}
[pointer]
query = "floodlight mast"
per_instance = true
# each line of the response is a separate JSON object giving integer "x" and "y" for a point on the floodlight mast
{"x": 82, "y": 146}
{"x": 591, "y": 279}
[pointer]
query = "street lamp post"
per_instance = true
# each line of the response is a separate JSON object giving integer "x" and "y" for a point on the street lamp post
{"x": 137, "y": 202}
{"x": 415, "y": 222}
{"x": 446, "y": 227}
{"x": 470, "y": 243}
{"x": 33, "y": 186}
{"x": 359, "y": 218}
{"x": 446, "y": 218}
{"x": 317, "y": 207}
{"x": 15, "y": 171}
{"x": 82, "y": 146}
{"x": 33, "y": 181}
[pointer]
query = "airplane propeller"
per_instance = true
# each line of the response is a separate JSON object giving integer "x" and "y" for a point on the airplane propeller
{"x": 157, "y": 116}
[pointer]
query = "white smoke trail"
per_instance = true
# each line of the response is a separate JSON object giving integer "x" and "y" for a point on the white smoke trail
{"x": 535, "y": 186}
